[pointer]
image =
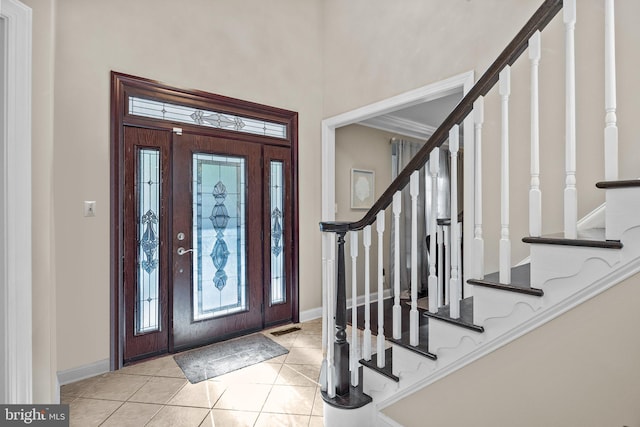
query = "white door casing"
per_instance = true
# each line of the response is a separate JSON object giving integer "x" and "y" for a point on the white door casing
{"x": 15, "y": 203}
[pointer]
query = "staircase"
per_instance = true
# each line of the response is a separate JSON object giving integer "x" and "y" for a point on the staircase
{"x": 368, "y": 371}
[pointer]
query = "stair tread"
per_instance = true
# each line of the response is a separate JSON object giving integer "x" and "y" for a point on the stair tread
{"x": 466, "y": 315}
{"x": 423, "y": 337}
{"x": 387, "y": 369}
{"x": 422, "y": 304}
{"x": 619, "y": 183}
{"x": 356, "y": 398}
{"x": 593, "y": 237}
{"x": 520, "y": 281}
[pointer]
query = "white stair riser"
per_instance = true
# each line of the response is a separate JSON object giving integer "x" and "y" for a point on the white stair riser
{"x": 497, "y": 326}
{"x": 407, "y": 364}
{"x": 623, "y": 205}
{"x": 558, "y": 289}
{"x": 489, "y": 303}
{"x": 558, "y": 261}
{"x": 377, "y": 385}
{"x": 444, "y": 335}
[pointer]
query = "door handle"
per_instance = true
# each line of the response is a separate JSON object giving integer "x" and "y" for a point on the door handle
{"x": 182, "y": 251}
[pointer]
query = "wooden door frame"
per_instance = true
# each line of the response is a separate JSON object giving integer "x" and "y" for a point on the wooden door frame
{"x": 123, "y": 85}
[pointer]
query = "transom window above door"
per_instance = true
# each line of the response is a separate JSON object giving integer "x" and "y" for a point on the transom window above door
{"x": 143, "y": 107}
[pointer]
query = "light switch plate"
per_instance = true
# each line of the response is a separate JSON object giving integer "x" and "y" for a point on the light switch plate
{"x": 89, "y": 208}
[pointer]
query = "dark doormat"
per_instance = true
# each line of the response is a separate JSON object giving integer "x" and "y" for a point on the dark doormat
{"x": 220, "y": 358}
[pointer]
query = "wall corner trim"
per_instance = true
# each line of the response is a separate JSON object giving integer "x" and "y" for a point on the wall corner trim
{"x": 15, "y": 141}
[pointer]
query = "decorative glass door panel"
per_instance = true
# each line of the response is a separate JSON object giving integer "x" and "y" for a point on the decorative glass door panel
{"x": 219, "y": 238}
{"x": 145, "y": 231}
{"x": 217, "y": 227}
{"x": 276, "y": 194}
{"x": 148, "y": 286}
{"x": 278, "y": 225}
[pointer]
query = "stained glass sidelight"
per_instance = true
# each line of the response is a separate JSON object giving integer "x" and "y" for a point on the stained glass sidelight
{"x": 219, "y": 261}
{"x": 278, "y": 289}
{"x": 148, "y": 207}
{"x": 185, "y": 114}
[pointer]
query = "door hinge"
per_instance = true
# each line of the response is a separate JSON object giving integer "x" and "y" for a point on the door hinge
{"x": 262, "y": 308}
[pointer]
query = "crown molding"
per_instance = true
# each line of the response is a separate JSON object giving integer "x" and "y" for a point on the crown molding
{"x": 400, "y": 125}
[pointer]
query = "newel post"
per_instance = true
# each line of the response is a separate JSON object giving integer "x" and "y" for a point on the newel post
{"x": 341, "y": 346}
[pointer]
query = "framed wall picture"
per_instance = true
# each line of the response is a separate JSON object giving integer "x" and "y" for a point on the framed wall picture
{"x": 362, "y": 188}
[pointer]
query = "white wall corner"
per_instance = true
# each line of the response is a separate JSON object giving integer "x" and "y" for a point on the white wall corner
{"x": 16, "y": 193}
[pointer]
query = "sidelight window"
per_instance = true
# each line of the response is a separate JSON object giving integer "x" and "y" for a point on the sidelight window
{"x": 147, "y": 298}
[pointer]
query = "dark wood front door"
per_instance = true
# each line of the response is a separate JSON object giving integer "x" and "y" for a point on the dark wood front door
{"x": 216, "y": 240}
{"x": 208, "y": 239}
{"x": 204, "y": 218}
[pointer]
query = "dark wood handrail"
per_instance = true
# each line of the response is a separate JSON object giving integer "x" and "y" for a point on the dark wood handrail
{"x": 509, "y": 55}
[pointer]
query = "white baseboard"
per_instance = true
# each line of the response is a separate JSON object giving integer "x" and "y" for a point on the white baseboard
{"x": 307, "y": 315}
{"x": 81, "y": 372}
{"x": 56, "y": 391}
{"x": 316, "y": 313}
{"x": 374, "y": 297}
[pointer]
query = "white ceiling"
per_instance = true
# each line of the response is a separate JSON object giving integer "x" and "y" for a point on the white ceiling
{"x": 418, "y": 121}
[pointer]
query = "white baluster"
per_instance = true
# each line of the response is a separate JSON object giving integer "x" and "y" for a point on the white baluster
{"x": 460, "y": 264}
{"x": 366, "y": 336}
{"x": 505, "y": 242}
{"x": 380, "y": 341}
{"x": 446, "y": 240}
{"x": 331, "y": 321}
{"x": 454, "y": 285}
{"x": 397, "y": 310}
{"x": 570, "y": 192}
{"x": 478, "y": 240}
{"x": 354, "y": 349}
{"x": 325, "y": 305}
{"x": 535, "y": 195}
{"x": 611, "y": 128}
{"x": 434, "y": 168}
{"x": 414, "y": 190}
{"x": 441, "y": 271}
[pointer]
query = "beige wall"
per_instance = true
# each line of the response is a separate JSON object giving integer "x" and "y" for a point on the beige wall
{"x": 580, "y": 369}
{"x": 360, "y": 147}
{"x": 267, "y": 53}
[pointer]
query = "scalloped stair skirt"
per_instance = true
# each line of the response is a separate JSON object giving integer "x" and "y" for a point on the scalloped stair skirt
{"x": 563, "y": 273}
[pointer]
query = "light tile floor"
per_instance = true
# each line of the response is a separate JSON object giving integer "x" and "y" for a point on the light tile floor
{"x": 282, "y": 391}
